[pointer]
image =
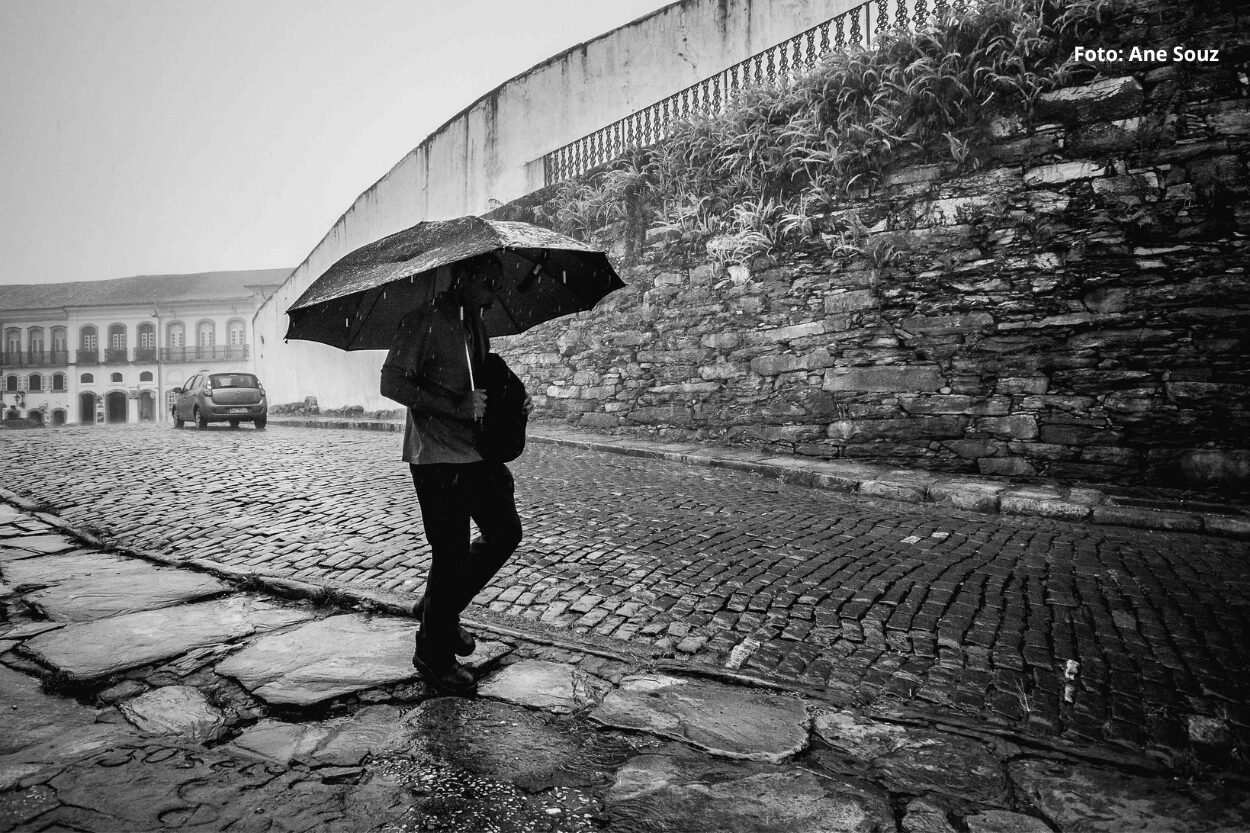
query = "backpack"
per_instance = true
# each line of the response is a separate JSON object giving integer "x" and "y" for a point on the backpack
{"x": 501, "y": 432}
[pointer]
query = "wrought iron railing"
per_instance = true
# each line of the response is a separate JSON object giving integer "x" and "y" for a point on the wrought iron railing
{"x": 782, "y": 63}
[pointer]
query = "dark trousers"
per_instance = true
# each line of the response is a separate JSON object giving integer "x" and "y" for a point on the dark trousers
{"x": 450, "y": 495}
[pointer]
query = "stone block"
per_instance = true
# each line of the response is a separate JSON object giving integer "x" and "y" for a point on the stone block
{"x": 778, "y": 364}
{"x": 1230, "y": 118}
{"x": 954, "y": 404}
{"x": 793, "y": 332}
{"x": 661, "y": 415}
{"x": 1130, "y": 188}
{"x": 855, "y": 299}
{"x": 631, "y": 338}
{"x": 599, "y": 421}
{"x": 1006, "y": 467}
{"x": 687, "y": 388}
{"x": 1014, "y": 385}
{"x": 913, "y": 175}
{"x": 1106, "y": 136}
{"x": 946, "y": 324}
{"x": 1111, "y": 98}
{"x": 1017, "y": 427}
{"x": 895, "y": 379}
{"x": 721, "y": 371}
{"x": 1045, "y": 501}
{"x": 975, "y": 449}
{"x": 1063, "y": 172}
{"x": 721, "y": 341}
{"x": 897, "y": 430}
{"x": 1065, "y": 434}
{"x": 968, "y": 495}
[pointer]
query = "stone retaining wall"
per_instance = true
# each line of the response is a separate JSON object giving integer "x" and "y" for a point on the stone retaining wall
{"x": 1077, "y": 308}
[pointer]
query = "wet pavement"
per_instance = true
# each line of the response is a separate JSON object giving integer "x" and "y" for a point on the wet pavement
{"x": 673, "y": 644}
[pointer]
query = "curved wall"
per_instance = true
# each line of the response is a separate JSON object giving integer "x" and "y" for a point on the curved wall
{"x": 493, "y": 150}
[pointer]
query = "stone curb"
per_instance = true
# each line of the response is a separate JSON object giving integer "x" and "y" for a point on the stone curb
{"x": 965, "y": 492}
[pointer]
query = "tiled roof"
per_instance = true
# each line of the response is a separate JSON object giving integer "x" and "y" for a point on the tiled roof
{"x": 142, "y": 289}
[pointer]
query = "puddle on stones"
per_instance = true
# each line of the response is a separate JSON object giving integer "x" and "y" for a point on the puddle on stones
{"x": 490, "y": 766}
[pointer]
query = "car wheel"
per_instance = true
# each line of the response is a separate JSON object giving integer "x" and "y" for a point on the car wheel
{"x": 259, "y": 422}
{"x": 234, "y": 423}
{"x": 200, "y": 419}
{"x": 178, "y": 421}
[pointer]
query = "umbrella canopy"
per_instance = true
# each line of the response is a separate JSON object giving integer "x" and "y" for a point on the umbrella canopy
{"x": 358, "y": 302}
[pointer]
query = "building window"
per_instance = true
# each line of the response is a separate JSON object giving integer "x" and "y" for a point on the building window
{"x": 90, "y": 338}
{"x": 117, "y": 336}
{"x": 147, "y": 336}
{"x": 59, "y": 343}
{"x": 205, "y": 334}
{"x": 13, "y": 344}
{"x": 58, "y": 381}
{"x": 10, "y": 384}
{"x": 86, "y": 378}
{"x": 237, "y": 334}
{"x": 145, "y": 376}
{"x": 115, "y": 377}
{"x": 34, "y": 340}
{"x": 176, "y": 335}
{"x": 35, "y": 383}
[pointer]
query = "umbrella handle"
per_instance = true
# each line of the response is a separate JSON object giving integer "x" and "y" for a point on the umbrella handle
{"x": 468, "y": 360}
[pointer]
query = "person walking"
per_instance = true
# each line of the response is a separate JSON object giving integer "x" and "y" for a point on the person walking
{"x": 428, "y": 371}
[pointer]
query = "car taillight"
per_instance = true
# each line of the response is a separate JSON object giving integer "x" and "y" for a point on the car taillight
{"x": 262, "y": 389}
{"x": 208, "y": 390}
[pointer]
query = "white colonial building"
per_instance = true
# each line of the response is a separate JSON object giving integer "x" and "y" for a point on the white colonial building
{"x": 112, "y": 350}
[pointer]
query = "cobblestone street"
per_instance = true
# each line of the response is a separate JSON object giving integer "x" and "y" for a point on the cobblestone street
{"x": 943, "y": 611}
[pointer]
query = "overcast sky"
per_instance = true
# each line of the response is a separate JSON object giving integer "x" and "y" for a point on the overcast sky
{"x": 146, "y": 137}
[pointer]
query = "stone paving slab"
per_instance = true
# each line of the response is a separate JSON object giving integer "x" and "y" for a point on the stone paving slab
{"x": 25, "y": 546}
{"x": 325, "y": 659}
{"x": 914, "y": 760}
{"x": 90, "y": 651}
{"x": 40, "y": 731}
{"x": 673, "y": 789}
{"x": 86, "y": 585}
{"x": 728, "y": 721}
{"x": 554, "y": 686}
{"x": 1097, "y": 800}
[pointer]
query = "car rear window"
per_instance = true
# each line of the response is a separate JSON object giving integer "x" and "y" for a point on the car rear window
{"x": 234, "y": 380}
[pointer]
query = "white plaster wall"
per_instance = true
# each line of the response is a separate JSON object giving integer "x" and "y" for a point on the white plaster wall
{"x": 486, "y": 153}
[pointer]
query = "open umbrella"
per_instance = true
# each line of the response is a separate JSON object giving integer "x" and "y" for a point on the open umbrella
{"x": 358, "y": 302}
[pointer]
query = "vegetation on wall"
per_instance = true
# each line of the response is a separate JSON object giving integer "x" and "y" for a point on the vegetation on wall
{"x": 777, "y": 162}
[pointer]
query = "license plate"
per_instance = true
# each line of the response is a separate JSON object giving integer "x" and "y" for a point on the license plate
{"x": 237, "y": 411}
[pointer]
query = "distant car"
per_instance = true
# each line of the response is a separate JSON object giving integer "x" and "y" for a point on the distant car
{"x": 220, "y": 397}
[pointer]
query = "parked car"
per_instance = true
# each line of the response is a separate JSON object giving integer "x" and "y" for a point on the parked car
{"x": 220, "y": 397}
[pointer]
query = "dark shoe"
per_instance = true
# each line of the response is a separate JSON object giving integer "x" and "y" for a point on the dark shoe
{"x": 449, "y": 678}
{"x": 464, "y": 643}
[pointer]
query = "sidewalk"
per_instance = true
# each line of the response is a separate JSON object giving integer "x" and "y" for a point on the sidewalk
{"x": 142, "y": 697}
{"x": 1140, "y": 508}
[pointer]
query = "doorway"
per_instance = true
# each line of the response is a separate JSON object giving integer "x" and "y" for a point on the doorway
{"x": 86, "y": 408}
{"x": 115, "y": 406}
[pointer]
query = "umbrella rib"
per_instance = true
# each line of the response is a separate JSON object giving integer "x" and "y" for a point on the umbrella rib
{"x": 361, "y": 325}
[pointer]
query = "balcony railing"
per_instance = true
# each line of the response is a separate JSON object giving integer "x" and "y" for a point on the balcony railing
{"x": 115, "y": 355}
{"x": 778, "y": 64}
{"x": 35, "y": 358}
{"x": 145, "y": 354}
{"x": 88, "y": 356}
{"x": 231, "y": 353}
